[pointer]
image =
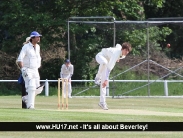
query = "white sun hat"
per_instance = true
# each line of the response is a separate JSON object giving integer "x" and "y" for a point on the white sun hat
{"x": 27, "y": 40}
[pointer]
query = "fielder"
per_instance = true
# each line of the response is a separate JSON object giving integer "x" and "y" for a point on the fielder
{"x": 29, "y": 60}
{"x": 67, "y": 70}
{"x": 107, "y": 59}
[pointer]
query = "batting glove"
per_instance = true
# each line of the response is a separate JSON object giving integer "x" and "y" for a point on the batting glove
{"x": 24, "y": 72}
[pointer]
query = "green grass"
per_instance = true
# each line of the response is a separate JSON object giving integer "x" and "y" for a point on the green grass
{"x": 87, "y": 110}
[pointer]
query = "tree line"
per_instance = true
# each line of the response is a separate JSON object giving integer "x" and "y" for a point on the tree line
{"x": 49, "y": 17}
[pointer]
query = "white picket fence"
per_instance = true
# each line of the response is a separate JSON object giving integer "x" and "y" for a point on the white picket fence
{"x": 148, "y": 81}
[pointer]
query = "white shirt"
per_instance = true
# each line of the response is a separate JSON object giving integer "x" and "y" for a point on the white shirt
{"x": 29, "y": 56}
{"x": 112, "y": 54}
{"x": 67, "y": 72}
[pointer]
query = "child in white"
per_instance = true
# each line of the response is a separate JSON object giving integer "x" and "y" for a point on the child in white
{"x": 67, "y": 71}
{"x": 107, "y": 59}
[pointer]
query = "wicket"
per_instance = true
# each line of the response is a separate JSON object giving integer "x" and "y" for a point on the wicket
{"x": 64, "y": 94}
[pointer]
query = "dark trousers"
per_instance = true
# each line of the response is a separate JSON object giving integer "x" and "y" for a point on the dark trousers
{"x": 23, "y": 94}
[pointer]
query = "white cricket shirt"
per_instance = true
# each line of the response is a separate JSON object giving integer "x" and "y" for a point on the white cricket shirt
{"x": 67, "y": 72}
{"x": 30, "y": 56}
{"x": 112, "y": 54}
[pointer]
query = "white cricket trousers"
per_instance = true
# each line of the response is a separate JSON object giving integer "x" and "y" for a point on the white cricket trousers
{"x": 102, "y": 75}
{"x": 103, "y": 62}
{"x": 69, "y": 88}
{"x": 32, "y": 81}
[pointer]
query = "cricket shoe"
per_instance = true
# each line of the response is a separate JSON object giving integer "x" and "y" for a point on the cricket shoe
{"x": 31, "y": 107}
{"x": 103, "y": 106}
{"x": 97, "y": 81}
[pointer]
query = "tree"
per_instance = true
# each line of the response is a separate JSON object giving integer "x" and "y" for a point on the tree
{"x": 169, "y": 9}
{"x": 49, "y": 17}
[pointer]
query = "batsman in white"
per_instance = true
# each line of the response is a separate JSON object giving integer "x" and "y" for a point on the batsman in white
{"x": 29, "y": 60}
{"x": 107, "y": 59}
{"x": 67, "y": 70}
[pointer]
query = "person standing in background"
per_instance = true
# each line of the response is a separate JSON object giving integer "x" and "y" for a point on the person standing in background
{"x": 67, "y": 70}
